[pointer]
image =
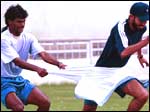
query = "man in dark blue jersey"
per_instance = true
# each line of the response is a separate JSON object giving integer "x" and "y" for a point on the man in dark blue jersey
{"x": 125, "y": 39}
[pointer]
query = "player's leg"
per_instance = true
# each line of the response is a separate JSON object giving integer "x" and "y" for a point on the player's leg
{"x": 8, "y": 94}
{"x": 139, "y": 93}
{"x": 13, "y": 102}
{"x": 37, "y": 97}
{"x": 89, "y": 105}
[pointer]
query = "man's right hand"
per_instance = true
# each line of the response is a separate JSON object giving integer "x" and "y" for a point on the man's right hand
{"x": 42, "y": 72}
{"x": 148, "y": 38}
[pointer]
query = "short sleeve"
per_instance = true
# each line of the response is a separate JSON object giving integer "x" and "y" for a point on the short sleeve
{"x": 35, "y": 47}
{"x": 8, "y": 53}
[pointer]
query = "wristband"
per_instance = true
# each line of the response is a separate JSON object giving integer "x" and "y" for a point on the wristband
{"x": 140, "y": 56}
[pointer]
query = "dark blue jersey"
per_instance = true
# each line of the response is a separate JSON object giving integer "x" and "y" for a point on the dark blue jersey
{"x": 121, "y": 36}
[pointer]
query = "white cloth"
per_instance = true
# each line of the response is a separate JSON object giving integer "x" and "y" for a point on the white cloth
{"x": 99, "y": 87}
{"x": 98, "y": 83}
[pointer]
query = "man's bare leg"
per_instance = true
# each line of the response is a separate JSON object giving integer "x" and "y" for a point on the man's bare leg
{"x": 89, "y": 105}
{"x": 13, "y": 102}
{"x": 38, "y": 98}
{"x": 140, "y": 94}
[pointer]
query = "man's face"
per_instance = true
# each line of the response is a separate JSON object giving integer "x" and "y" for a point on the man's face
{"x": 16, "y": 26}
{"x": 138, "y": 24}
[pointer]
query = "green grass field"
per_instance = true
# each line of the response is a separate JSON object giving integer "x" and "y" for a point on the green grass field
{"x": 63, "y": 99}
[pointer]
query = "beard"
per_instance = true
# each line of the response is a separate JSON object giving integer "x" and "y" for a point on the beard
{"x": 18, "y": 31}
{"x": 136, "y": 26}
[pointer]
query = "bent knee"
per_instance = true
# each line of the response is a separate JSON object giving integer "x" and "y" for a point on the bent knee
{"x": 45, "y": 103}
{"x": 18, "y": 107}
{"x": 143, "y": 97}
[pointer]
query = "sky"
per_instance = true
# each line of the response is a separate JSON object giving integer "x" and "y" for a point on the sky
{"x": 71, "y": 19}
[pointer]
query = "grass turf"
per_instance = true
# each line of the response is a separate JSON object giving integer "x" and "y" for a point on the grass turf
{"x": 62, "y": 99}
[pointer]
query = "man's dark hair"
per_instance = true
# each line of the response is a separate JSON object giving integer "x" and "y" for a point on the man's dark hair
{"x": 14, "y": 12}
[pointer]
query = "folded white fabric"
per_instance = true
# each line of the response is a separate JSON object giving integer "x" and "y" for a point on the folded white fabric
{"x": 98, "y": 83}
{"x": 99, "y": 86}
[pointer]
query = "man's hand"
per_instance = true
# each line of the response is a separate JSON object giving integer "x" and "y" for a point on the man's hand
{"x": 147, "y": 38}
{"x": 142, "y": 60}
{"x": 61, "y": 65}
{"x": 42, "y": 72}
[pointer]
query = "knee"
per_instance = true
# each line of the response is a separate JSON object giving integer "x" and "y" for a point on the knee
{"x": 46, "y": 103}
{"x": 18, "y": 107}
{"x": 143, "y": 97}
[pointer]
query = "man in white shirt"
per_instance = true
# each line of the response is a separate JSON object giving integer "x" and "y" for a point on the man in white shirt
{"x": 16, "y": 46}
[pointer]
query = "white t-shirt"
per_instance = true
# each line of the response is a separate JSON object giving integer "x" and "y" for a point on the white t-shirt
{"x": 13, "y": 47}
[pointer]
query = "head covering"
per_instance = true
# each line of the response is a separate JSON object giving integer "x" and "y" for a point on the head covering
{"x": 141, "y": 10}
